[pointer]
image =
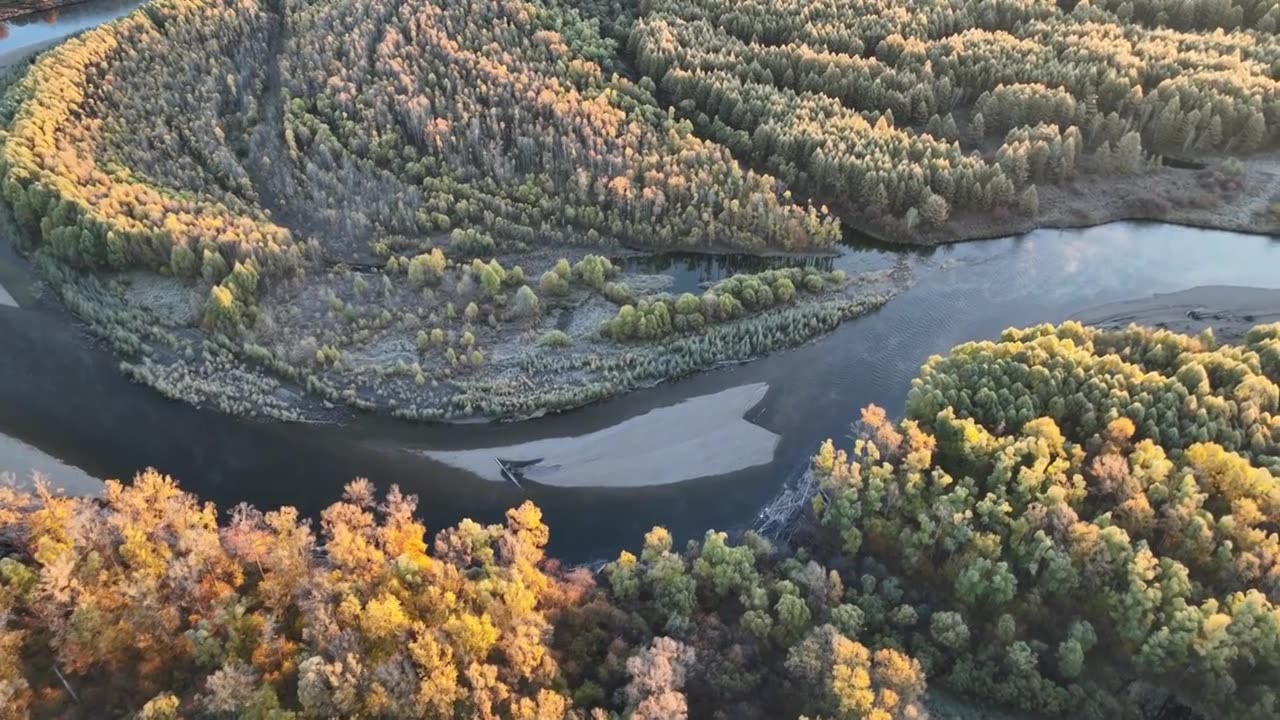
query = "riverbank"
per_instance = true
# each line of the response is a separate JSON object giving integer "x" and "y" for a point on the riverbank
{"x": 655, "y": 448}
{"x": 1230, "y": 311}
{"x": 396, "y": 359}
{"x": 326, "y": 348}
{"x": 63, "y": 393}
{"x": 18, "y": 8}
{"x": 1233, "y": 198}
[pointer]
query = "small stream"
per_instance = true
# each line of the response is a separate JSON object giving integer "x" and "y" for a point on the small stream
{"x": 64, "y": 396}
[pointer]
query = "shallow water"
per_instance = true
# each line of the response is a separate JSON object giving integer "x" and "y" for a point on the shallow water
{"x": 73, "y": 404}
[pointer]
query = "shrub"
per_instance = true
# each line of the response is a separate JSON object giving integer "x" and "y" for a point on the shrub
{"x": 555, "y": 339}
{"x": 182, "y": 261}
{"x": 593, "y": 271}
{"x": 427, "y": 268}
{"x": 471, "y": 243}
{"x": 553, "y": 283}
{"x": 526, "y": 303}
{"x": 618, "y": 293}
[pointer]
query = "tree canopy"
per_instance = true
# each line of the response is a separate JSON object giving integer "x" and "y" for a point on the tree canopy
{"x": 1022, "y": 558}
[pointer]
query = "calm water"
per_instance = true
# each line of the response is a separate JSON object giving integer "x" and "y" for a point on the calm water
{"x": 73, "y": 404}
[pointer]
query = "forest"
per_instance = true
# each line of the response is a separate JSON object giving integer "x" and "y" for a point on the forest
{"x": 1068, "y": 522}
{"x": 438, "y": 230}
{"x": 427, "y": 209}
{"x": 905, "y": 113}
{"x": 437, "y": 210}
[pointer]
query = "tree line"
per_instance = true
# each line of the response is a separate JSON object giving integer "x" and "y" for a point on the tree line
{"x": 888, "y": 106}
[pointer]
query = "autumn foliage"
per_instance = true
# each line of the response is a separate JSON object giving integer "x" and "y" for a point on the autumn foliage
{"x": 1038, "y": 533}
{"x": 912, "y": 109}
{"x": 191, "y": 134}
{"x": 143, "y": 603}
{"x": 1089, "y": 516}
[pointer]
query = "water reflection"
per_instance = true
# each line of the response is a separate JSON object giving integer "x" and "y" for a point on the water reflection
{"x": 23, "y": 35}
{"x": 690, "y": 272}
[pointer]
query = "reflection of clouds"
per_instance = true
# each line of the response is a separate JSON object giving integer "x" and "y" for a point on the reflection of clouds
{"x": 1121, "y": 260}
{"x": 1071, "y": 255}
{"x": 1098, "y": 248}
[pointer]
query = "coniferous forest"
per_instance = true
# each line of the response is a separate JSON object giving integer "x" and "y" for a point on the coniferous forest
{"x": 1068, "y": 523}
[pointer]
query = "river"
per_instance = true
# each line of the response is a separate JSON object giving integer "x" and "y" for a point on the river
{"x": 66, "y": 398}
{"x": 21, "y": 35}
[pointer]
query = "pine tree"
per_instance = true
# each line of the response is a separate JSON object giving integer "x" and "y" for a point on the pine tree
{"x": 1029, "y": 201}
{"x": 1128, "y": 157}
{"x": 1255, "y": 132}
{"x": 978, "y": 127}
{"x": 934, "y": 210}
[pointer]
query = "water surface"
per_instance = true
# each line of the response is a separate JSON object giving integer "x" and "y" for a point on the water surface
{"x": 27, "y": 33}
{"x": 72, "y": 403}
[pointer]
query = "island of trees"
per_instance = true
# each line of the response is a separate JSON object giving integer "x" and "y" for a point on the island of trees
{"x": 1067, "y": 523}
{"x": 418, "y": 208}
{"x": 427, "y": 208}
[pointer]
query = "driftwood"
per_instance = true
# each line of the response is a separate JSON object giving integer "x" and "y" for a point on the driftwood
{"x": 782, "y": 516}
{"x": 66, "y": 685}
{"x": 507, "y": 473}
{"x": 511, "y": 469}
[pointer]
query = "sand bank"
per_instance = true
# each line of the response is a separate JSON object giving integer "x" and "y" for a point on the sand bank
{"x": 6, "y": 300}
{"x": 1229, "y": 310}
{"x": 700, "y": 437}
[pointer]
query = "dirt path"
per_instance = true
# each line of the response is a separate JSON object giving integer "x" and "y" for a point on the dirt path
{"x": 272, "y": 180}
